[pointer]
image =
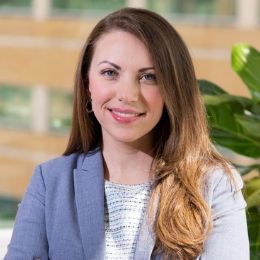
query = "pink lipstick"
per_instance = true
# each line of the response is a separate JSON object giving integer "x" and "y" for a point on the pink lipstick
{"x": 125, "y": 115}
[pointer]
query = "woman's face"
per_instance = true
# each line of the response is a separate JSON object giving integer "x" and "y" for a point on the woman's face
{"x": 126, "y": 98}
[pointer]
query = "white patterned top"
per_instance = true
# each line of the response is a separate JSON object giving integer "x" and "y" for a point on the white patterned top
{"x": 124, "y": 209}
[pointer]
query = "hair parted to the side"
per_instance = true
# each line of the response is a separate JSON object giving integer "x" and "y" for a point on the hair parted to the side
{"x": 183, "y": 151}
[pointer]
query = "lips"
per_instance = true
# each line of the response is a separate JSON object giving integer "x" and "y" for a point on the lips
{"x": 125, "y": 115}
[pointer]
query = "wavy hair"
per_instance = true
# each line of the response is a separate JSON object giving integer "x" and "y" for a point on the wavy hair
{"x": 183, "y": 153}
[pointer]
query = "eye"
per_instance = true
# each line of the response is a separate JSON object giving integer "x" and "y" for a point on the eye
{"x": 109, "y": 73}
{"x": 148, "y": 77}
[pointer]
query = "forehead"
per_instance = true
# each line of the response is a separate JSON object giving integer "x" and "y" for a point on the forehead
{"x": 119, "y": 45}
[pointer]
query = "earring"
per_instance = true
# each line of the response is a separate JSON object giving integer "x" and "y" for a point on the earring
{"x": 89, "y": 106}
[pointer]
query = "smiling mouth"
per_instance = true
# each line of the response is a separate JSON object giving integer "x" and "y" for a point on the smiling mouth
{"x": 125, "y": 116}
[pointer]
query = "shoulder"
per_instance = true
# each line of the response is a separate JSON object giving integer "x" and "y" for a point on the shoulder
{"x": 72, "y": 161}
{"x": 218, "y": 177}
{"x": 57, "y": 175}
{"x": 53, "y": 171}
{"x": 61, "y": 163}
{"x": 61, "y": 169}
{"x": 224, "y": 189}
{"x": 228, "y": 238}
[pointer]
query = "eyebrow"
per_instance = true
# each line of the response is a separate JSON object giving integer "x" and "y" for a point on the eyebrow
{"x": 119, "y": 68}
{"x": 111, "y": 63}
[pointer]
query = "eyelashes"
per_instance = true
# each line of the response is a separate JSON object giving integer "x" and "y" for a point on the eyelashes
{"x": 109, "y": 73}
{"x": 149, "y": 77}
{"x": 112, "y": 74}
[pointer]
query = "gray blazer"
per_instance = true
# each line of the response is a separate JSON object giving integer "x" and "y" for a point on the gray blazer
{"x": 61, "y": 216}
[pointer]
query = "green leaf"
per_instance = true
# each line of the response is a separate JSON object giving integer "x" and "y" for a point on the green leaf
{"x": 252, "y": 186}
{"x": 227, "y": 116}
{"x": 243, "y": 102}
{"x": 221, "y": 110}
{"x": 254, "y": 199}
{"x": 250, "y": 125}
{"x": 237, "y": 142}
{"x": 210, "y": 88}
{"x": 253, "y": 223}
{"x": 245, "y": 61}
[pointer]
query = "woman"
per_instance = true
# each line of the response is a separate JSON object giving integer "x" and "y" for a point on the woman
{"x": 140, "y": 178}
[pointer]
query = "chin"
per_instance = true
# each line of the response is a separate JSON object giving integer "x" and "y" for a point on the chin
{"x": 128, "y": 139}
{"x": 131, "y": 138}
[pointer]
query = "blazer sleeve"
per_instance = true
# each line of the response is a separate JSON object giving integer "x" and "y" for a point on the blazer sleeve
{"x": 29, "y": 234}
{"x": 229, "y": 237}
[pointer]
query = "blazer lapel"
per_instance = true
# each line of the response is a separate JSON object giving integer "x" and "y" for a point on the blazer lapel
{"x": 89, "y": 196}
{"x": 145, "y": 242}
{"x": 146, "y": 239}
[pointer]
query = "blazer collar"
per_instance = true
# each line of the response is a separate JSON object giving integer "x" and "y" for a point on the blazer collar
{"x": 89, "y": 196}
{"x": 146, "y": 239}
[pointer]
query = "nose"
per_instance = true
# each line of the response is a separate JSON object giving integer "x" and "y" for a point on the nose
{"x": 128, "y": 90}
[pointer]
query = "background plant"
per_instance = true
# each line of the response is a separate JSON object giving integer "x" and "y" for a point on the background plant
{"x": 235, "y": 124}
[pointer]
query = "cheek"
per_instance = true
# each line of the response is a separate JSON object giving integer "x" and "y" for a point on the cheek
{"x": 100, "y": 94}
{"x": 154, "y": 99}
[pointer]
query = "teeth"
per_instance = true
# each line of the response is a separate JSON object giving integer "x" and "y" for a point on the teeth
{"x": 125, "y": 114}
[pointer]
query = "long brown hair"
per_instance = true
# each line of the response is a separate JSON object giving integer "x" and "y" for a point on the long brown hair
{"x": 183, "y": 151}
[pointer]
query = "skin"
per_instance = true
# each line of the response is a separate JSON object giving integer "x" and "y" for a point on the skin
{"x": 127, "y": 102}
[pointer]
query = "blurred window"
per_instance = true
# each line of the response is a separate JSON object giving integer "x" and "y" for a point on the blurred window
{"x": 202, "y": 7}
{"x": 15, "y": 106}
{"x": 89, "y": 4}
{"x": 15, "y": 3}
{"x": 15, "y": 7}
{"x": 60, "y": 111}
{"x": 197, "y": 11}
{"x": 8, "y": 208}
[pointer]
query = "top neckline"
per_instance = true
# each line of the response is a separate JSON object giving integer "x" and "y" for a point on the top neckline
{"x": 147, "y": 183}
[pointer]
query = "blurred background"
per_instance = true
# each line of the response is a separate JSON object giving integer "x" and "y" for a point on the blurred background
{"x": 40, "y": 41}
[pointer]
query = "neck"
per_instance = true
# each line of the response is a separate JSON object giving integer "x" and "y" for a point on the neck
{"x": 127, "y": 163}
